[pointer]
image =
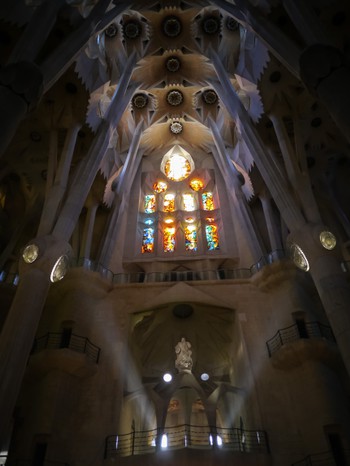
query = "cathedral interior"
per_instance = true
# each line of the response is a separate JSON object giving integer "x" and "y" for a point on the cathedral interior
{"x": 174, "y": 232}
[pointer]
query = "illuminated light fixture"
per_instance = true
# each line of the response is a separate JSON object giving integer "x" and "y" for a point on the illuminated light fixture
{"x": 30, "y": 253}
{"x": 167, "y": 377}
{"x": 328, "y": 240}
{"x": 168, "y": 220}
{"x": 160, "y": 187}
{"x": 298, "y": 257}
{"x": 164, "y": 441}
{"x": 205, "y": 376}
{"x": 196, "y": 184}
{"x": 60, "y": 269}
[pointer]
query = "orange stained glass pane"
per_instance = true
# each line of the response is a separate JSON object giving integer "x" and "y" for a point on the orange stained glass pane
{"x": 169, "y": 203}
{"x": 208, "y": 201}
{"x": 196, "y": 184}
{"x": 150, "y": 203}
{"x": 160, "y": 187}
{"x": 188, "y": 200}
{"x": 169, "y": 239}
{"x": 177, "y": 168}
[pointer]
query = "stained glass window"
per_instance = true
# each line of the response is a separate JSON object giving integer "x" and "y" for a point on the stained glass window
{"x": 148, "y": 240}
{"x": 196, "y": 184}
{"x": 188, "y": 201}
{"x": 169, "y": 239}
{"x": 160, "y": 187}
{"x": 211, "y": 233}
{"x": 208, "y": 201}
{"x": 150, "y": 203}
{"x": 177, "y": 167}
{"x": 191, "y": 238}
{"x": 169, "y": 203}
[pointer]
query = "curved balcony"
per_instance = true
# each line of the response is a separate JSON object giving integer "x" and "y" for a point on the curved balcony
{"x": 294, "y": 343}
{"x": 26, "y": 462}
{"x": 187, "y": 436}
{"x": 73, "y": 354}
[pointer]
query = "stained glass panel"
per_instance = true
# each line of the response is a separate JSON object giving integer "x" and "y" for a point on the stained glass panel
{"x": 150, "y": 203}
{"x": 188, "y": 201}
{"x": 169, "y": 239}
{"x": 211, "y": 233}
{"x": 177, "y": 168}
{"x": 191, "y": 238}
{"x": 169, "y": 203}
{"x": 148, "y": 240}
{"x": 196, "y": 184}
{"x": 160, "y": 186}
{"x": 208, "y": 201}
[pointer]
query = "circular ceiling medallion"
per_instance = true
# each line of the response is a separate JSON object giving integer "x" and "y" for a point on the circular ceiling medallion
{"x": 30, "y": 253}
{"x": 328, "y": 240}
{"x": 132, "y": 29}
{"x": 231, "y": 24}
{"x": 112, "y": 30}
{"x": 183, "y": 310}
{"x": 60, "y": 269}
{"x": 140, "y": 101}
{"x": 211, "y": 25}
{"x": 210, "y": 97}
{"x": 298, "y": 257}
{"x": 173, "y": 64}
{"x": 172, "y": 26}
{"x": 176, "y": 127}
{"x": 174, "y": 98}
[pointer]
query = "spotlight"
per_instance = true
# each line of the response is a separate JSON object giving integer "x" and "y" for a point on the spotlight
{"x": 167, "y": 377}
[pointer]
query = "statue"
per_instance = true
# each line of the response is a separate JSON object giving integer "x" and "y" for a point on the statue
{"x": 183, "y": 360}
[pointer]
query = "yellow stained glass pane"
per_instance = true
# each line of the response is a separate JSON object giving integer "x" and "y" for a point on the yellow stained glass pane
{"x": 188, "y": 201}
{"x": 169, "y": 203}
{"x": 169, "y": 239}
{"x": 160, "y": 187}
{"x": 196, "y": 184}
{"x": 191, "y": 238}
{"x": 177, "y": 168}
{"x": 208, "y": 201}
{"x": 150, "y": 203}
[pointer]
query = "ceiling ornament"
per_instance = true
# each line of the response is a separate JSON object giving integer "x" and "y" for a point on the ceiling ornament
{"x": 140, "y": 100}
{"x": 111, "y": 31}
{"x": 132, "y": 29}
{"x": 175, "y": 98}
{"x": 210, "y": 97}
{"x": 171, "y": 26}
{"x": 211, "y": 25}
{"x": 176, "y": 127}
{"x": 173, "y": 64}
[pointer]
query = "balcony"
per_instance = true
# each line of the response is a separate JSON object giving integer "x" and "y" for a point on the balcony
{"x": 71, "y": 353}
{"x": 30, "y": 462}
{"x": 298, "y": 342}
{"x": 187, "y": 437}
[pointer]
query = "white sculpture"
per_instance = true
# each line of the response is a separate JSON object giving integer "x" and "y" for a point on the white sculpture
{"x": 183, "y": 360}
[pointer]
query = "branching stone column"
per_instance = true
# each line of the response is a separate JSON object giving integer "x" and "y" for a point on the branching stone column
{"x": 325, "y": 268}
{"x": 271, "y": 225}
{"x": 233, "y": 183}
{"x": 19, "y": 330}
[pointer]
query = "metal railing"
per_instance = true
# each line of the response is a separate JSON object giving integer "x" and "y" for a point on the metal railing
{"x": 293, "y": 333}
{"x": 74, "y": 342}
{"x": 325, "y": 458}
{"x": 29, "y": 462}
{"x": 186, "y": 436}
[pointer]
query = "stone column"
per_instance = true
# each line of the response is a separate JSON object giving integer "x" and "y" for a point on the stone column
{"x": 89, "y": 229}
{"x": 233, "y": 181}
{"x": 19, "y": 330}
{"x": 272, "y": 230}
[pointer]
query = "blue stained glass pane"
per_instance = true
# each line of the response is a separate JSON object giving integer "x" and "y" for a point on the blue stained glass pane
{"x": 211, "y": 233}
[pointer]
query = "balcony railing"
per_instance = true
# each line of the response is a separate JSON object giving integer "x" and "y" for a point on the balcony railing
{"x": 73, "y": 342}
{"x": 293, "y": 333}
{"x": 26, "y": 462}
{"x": 186, "y": 436}
{"x": 325, "y": 459}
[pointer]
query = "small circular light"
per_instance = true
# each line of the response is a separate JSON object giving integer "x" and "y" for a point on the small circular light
{"x": 328, "y": 240}
{"x": 167, "y": 377}
{"x": 298, "y": 257}
{"x": 60, "y": 269}
{"x": 30, "y": 253}
{"x": 205, "y": 376}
